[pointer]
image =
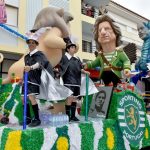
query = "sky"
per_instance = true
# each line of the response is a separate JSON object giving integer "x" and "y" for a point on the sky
{"x": 142, "y": 7}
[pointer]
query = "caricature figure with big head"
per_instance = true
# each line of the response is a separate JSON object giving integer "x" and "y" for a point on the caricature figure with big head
{"x": 112, "y": 60}
{"x": 52, "y": 27}
{"x": 144, "y": 34}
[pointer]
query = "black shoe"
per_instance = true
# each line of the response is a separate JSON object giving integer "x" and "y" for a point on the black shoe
{"x": 34, "y": 123}
{"x": 27, "y": 122}
{"x": 74, "y": 119}
{"x": 4, "y": 120}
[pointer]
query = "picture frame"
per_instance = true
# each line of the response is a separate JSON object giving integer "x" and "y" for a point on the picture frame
{"x": 100, "y": 102}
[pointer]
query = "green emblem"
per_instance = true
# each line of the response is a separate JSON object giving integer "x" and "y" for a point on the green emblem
{"x": 131, "y": 117}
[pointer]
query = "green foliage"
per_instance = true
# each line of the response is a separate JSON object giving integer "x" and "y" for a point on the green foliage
{"x": 32, "y": 139}
{"x": 88, "y": 134}
{"x": 5, "y": 91}
{"x": 84, "y": 104}
{"x": 112, "y": 110}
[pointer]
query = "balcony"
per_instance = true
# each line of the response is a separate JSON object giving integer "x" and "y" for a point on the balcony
{"x": 91, "y": 8}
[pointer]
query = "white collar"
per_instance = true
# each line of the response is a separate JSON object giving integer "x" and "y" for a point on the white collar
{"x": 33, "y": 52}
{"x": 69, "y": 56}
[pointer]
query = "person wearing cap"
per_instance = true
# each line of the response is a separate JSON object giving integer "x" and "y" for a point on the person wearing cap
{"x": 35, "y": 60}
{"x": 70, "y": 69}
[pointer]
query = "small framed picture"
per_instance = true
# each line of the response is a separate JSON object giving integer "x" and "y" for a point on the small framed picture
{"x": 100, "y": 102}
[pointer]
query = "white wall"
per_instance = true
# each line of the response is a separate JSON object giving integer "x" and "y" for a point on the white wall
{"x": 60, "y": 3}
{"x": 12, "y": 2}
{"x": 33, "y": 7}
{"x": 12, "y": 22}
{"x": 8, "y": 38}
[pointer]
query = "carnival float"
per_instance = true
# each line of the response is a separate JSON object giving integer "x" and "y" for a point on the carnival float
{"x": 123, "y": 126}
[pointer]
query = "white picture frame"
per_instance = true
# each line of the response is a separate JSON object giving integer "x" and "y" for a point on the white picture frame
{"x": 100, "y": 102}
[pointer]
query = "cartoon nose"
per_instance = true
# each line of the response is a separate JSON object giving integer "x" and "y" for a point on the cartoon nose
{"x": 103, "y": 31}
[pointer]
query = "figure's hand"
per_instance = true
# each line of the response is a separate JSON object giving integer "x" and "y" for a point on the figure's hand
{"x": 20, "y": 82}
{"x": 85, "y": 72}
{"x": 85, "y": 66}
{"x": 55, "y": 70}
{"x": 27, "y": 68}
{"x": 127, "y": 72}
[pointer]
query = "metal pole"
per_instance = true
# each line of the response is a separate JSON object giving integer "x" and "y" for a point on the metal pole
{"x": 25, "y": 99}
{"x": 87, "y": 93}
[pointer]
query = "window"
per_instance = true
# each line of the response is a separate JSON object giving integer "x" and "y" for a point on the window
{"x": 87, "y": 46}
{"x": 5, "y": 66}
{"x": 9, "y": 59}
{"x": 12, "y": 15}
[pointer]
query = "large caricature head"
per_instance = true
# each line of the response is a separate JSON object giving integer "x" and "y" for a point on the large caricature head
{"x": 144, "y": 30}
{"x": 53, "y": 17}
{"x": 105, "y": 30}
{"x": 56, "y": 23}
{"x": 144, "y": 34}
